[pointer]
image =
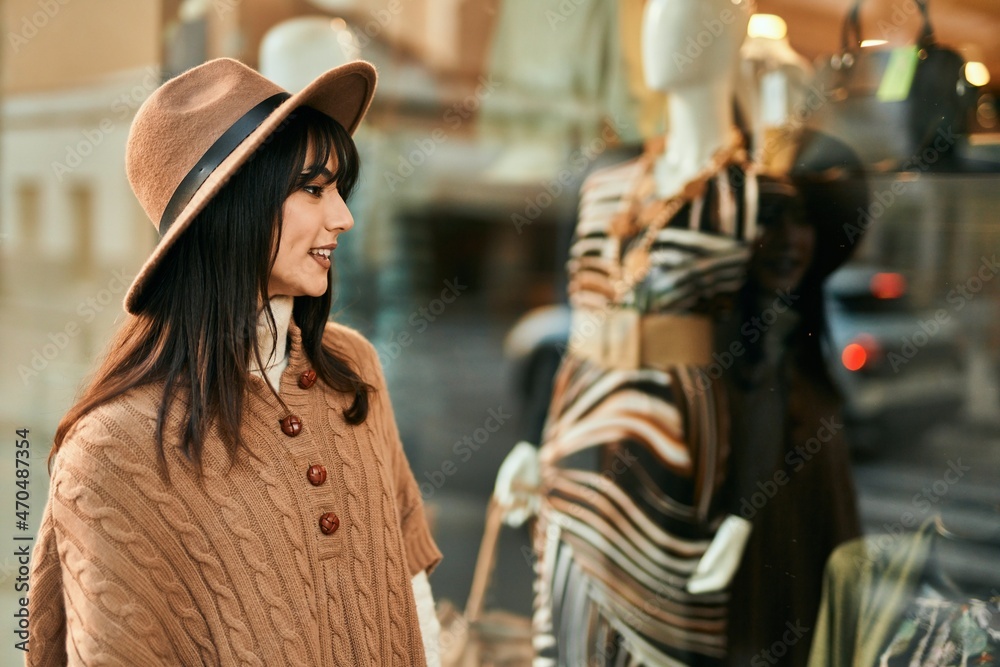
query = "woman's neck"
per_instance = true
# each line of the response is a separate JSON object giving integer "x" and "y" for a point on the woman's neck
{"x": 273, "y": 347}
{"x": 700, "y": 118}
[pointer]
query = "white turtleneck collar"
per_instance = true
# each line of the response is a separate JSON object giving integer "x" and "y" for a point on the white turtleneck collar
{"x": 273, "y": 348}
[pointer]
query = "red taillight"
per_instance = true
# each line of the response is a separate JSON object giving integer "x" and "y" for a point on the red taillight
{"x": 854, "y": 357}
{"x": 861, "y": 352}
{"x": 888, "y": 285}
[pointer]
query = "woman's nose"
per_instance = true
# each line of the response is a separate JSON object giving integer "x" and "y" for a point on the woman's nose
{"x": 338, "y": 216}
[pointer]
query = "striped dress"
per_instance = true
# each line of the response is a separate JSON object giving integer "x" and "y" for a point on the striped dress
{"x": 633, "y": 461}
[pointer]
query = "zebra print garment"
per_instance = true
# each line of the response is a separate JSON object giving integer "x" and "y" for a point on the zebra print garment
{"x": 633, "y": 461}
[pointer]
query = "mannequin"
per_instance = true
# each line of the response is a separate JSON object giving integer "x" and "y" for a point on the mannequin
{"x": 293, "y": 50}
{"x": 700, "y": 81}
{"x": 699, "y": 118}
{"x": 774, "y": 80}
{"x": 635, "y": 547}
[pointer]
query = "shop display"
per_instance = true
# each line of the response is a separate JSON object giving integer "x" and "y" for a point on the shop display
{"x": 890, "y": 104}
{"x": 900, "y": 600}
{"x": 634, "y": 451}
{"x": 648, "y": 453}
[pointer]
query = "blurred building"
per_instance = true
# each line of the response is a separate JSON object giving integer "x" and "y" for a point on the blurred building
{"x": 72, "y": 232}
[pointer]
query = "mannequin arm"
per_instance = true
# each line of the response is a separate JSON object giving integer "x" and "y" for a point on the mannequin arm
{"x": 722, "y": 558}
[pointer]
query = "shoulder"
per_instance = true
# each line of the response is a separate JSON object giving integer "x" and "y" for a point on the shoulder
{"x": 613, "y": 172}
{"x": 612, "y": 180}
{"x": 123, "y": 416}
{"x": 119, "y": 429}
{"x": 352, "y": 346}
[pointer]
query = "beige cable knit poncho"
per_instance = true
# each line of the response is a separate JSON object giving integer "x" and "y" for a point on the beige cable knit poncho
{"x": 234, "y": 569}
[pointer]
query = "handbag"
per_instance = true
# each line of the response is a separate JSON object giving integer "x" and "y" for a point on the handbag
{"x": 898, "y": 108}
{"x": 478, "y": 637}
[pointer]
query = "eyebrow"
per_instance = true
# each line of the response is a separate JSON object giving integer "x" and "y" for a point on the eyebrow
{"x": 324, "y": 174}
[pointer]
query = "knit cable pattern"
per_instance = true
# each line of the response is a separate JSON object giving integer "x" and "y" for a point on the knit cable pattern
{"x": 203, "y": 560}
{"x": 359, "y": 537}
{"x": 231, "y": 568}
{"x": 269, "y": 587}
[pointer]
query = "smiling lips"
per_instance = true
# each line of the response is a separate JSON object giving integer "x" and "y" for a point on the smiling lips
{"x": 322, "y": 255}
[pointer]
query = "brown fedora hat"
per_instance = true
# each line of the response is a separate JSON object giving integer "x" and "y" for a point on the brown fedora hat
{"x": 196, "y": 130}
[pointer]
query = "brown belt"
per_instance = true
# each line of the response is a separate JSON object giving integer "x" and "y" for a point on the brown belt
{"x": 624, "y": 339}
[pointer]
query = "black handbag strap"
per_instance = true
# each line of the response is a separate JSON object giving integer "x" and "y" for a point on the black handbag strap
{"x": 850, "y": 36}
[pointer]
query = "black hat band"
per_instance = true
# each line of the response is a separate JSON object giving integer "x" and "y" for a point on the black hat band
{"x": 213, "y": 157}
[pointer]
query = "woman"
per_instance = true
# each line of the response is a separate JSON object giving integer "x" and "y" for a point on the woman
{"x": 789, "y": 472}
{"x": 214, "y": 501}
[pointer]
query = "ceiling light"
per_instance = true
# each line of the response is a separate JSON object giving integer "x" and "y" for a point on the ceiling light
{"x": 977, "y": 73}
{"x": 768, "y": 26}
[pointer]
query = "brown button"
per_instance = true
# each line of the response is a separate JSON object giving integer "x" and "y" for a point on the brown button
{"x": 329, "y": 523}
{"x": 307, "y": 379}
{"x": 316, "y": 474}
{"x": 291, "y": 425}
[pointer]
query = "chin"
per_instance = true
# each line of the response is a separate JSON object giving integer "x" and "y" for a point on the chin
{"x": 319, "y": 290}
{"x": 305, "y": 290}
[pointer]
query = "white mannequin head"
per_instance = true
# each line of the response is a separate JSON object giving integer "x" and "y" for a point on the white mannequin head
{"x": 688, "y": 42}
{"x": 296, "y": 51}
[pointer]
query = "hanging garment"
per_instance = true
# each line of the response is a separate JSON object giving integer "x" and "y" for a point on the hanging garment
{"x": 635, "y": 446}
{"x": 888, "y": 601}
{"x": 940, "y": 630}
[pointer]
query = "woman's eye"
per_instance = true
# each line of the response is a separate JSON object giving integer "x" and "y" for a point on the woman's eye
{"x": 314, "y": 190}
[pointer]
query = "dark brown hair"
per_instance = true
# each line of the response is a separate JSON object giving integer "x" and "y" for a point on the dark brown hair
{"x": 196, "y": 331}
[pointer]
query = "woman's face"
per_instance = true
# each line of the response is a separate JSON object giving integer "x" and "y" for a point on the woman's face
{"x": 784, "y": 251}
{"x": 314, "y": 216}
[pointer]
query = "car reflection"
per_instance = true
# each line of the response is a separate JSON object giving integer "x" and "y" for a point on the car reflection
{"x": 900, "y": 368}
